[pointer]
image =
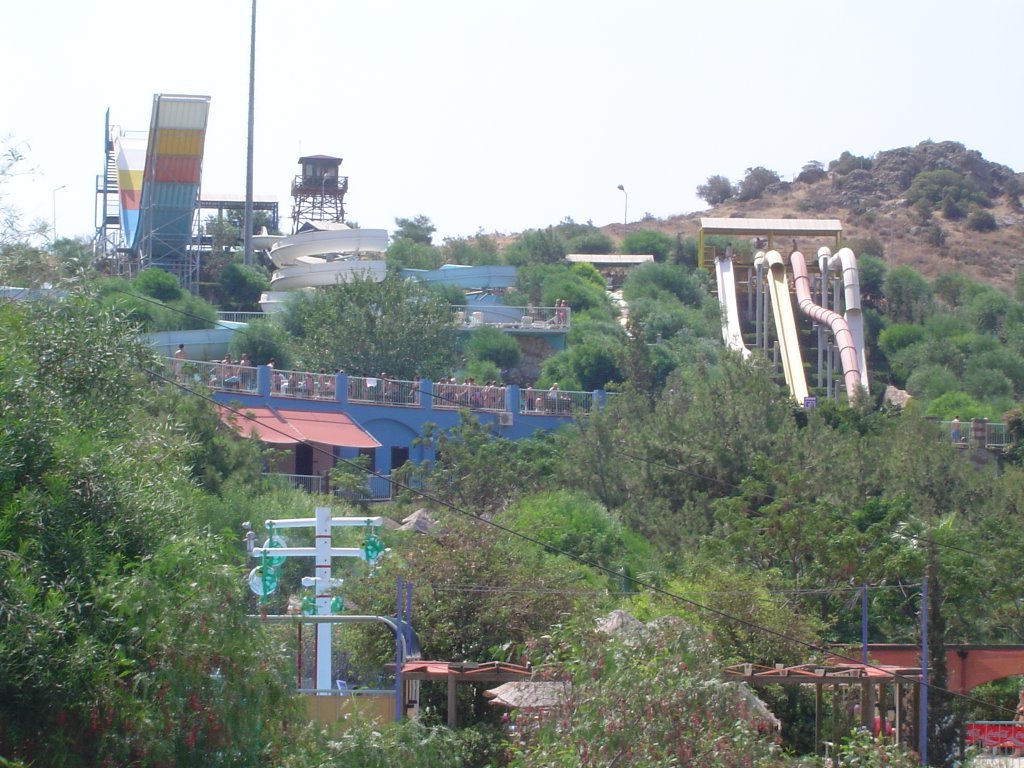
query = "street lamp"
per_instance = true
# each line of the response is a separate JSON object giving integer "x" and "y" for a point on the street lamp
{"x": 625, "y": 209}
{"x": 55, "y": 191}
{"x": 247, "y": 215}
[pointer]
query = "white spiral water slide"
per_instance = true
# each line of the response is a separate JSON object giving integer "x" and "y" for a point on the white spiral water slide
{"x": 319, "y": 258}
{"x": 848, "y": 354}
{"x": 785, "y": 323}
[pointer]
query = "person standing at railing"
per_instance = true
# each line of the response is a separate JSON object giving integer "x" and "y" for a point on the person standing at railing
{"x": 553, "y": 394}
{"x": 228, "y": 373}
{"x": 179, "y": 364}
{"x": 245, "y": 372}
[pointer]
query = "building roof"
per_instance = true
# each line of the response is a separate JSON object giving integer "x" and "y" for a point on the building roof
{"x": 529, "y": 695}
{"x": 288, "y": 426}
{"x": 785, "y": 227}
{"x": 610, "y": 259}
{"x": 464, "y": 671}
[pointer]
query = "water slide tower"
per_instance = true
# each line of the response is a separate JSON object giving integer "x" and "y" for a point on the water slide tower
{"x": 319, "y": 191}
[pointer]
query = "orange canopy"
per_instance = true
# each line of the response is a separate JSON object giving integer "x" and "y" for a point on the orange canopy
{"x": 288, "y": 426}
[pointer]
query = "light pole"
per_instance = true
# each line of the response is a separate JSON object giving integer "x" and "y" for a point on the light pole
{"x": 55, "y": 191}
{"x": 247, "y": 217}
{"x": 625, "y": 210}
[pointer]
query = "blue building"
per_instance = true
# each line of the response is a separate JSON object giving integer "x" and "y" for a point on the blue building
{"x": 380, "y": 418}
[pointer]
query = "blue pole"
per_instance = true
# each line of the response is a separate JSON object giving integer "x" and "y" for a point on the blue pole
{"x": 922, "y": 738}
{"x": 398, "y": 649}
{"x": 864, "y": 624}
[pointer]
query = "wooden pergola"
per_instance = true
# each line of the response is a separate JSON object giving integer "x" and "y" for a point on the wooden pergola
{"x": 465, "y": 672}
{"x": 873, "y": 680}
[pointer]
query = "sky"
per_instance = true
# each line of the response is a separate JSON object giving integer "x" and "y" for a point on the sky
{"x": 495, "y": 116}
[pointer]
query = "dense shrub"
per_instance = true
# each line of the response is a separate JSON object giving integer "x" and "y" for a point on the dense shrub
{"x": 981, "y": 221}
{"x": 939, "y": 186}
{"x": 157, "y": 284}
{"x": 848, "y": 162}
{"x": 645, "y": 241}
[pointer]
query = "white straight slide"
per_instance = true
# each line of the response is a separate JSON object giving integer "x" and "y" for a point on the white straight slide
{"x": 731, "y": 333}
{"x": 785, "y": 323}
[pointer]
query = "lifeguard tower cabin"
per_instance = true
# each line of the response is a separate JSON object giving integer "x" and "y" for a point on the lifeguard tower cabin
{"x": 319, "y": 191}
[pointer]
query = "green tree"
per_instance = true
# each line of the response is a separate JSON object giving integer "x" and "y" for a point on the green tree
{"x": 241, "y": 287}
{"x": 488, "y": 343}
{"x": 264, "y": 340}
{"x": 479, "y": 249}
{"x": 537, "y": 246}
{"x": 157, "y": 284}
{"x": 909, "y": 298}
{"x": 595, "y": 242}
{"x": 110, "y": 654}
{"x": 419, "y": 229}
{"x": 405, "y": 252}
{"x": 651, "y": 700}
{"x": 364, "y": 327}
{"x": 716, "y": 190}
{"x": 755, "y": 182}
{"x": 648, "y": 241}
{"x": 871, "y": 272}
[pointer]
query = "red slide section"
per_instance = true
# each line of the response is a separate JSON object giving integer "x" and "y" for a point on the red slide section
{"x": 840, "y": 329}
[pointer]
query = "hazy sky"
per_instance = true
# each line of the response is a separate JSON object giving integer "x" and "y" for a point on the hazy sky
{"x": 505, "y": 116}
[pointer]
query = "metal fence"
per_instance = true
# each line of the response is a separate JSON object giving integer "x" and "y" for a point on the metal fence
{"x": 239, "y": 317}
{"x": 383, "y": 391}
{"x": 307, "y": 483}
{"x": 501, "y": 316}
{"x": 554, "y": 401}
{"x": 976, "y": 434}
{"x": 302, "y": 384}
{"x": 487, "y": 397}
{"x": 229, "y": 377}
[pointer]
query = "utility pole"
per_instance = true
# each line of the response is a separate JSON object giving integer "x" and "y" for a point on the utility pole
{"x": 247, "y": 218}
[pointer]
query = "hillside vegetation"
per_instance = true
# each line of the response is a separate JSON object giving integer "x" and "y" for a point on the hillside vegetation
{"x": 731, "y": 524}
{"x": 969, "y": 223}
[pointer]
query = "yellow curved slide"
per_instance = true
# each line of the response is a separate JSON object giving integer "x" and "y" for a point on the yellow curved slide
{"x": 785, "y": 324}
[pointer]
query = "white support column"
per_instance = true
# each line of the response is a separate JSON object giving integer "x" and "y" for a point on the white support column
{"x": 323, "y": 599}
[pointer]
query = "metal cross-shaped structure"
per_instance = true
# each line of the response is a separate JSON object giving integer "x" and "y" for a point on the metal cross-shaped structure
{"x": 324, "y": 553}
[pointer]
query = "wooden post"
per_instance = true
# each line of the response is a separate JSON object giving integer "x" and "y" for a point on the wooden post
{"x": 453, "y": 715}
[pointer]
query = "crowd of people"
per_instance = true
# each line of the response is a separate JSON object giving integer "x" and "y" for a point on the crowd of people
{"x": 447, "y": 392}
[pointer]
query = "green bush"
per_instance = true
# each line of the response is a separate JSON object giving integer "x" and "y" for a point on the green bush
{"x": 938, "y": 186}
{"x": 848, "y": 162}
{"x": 157, "y": 284}
{"x": 981, "y": 221}
{"x": 262, "y": 340}
{"x": 490, "y": 344}
{"x": 931, "y": 381}
{"x": 241, "y": 286}
{"x": 645, "y": 241}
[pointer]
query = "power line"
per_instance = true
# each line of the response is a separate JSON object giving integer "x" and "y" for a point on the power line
{"x": 700, "y": 607}
{"x": 597, "y": 566}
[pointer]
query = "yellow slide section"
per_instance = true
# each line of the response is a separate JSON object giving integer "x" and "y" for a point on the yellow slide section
{"x": 785, "y": 324}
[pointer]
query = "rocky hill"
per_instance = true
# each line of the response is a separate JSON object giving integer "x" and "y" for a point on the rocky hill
{"x": 973, "y": 225}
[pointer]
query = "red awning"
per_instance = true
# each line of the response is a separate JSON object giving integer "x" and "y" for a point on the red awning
{"x": 267, "y": 426}
{"x": 288, "y": 426}
{"x": 329, "y": 428}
